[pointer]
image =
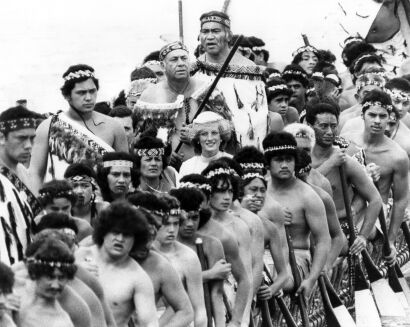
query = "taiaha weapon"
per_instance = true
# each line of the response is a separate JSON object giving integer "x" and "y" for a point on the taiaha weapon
{"x": 207, "y": 292}
{"x": 297, "y": 279}
{"x": 330, "y": 316}
{"x": 215, "y": 82}
{"x": 365, "y": 307}
{"x": 181, "y": 22}
{"x": 305, "y": 40}
{"x": 290, "y": 322}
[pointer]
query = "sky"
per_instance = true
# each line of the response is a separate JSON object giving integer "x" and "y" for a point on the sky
{"x": 40, "y": 39}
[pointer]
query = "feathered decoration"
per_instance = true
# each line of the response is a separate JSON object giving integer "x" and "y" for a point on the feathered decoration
{"x": 238, "y": 100}
{"x": 7, "y": 233}
{"x": 13, "y": 224}
{"x": 251, "y": 132}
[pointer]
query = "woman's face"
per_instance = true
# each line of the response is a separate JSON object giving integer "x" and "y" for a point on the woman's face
{"x": 151, "y": 167}
{"x": 210, "y": 140}
{"x": 308, "y": 61}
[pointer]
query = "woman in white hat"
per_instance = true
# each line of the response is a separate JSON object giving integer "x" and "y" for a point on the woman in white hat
{"x": 208, "y": 134}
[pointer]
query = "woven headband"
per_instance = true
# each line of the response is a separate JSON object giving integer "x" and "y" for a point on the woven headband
{"x": 252, "y": 165}
{"x": 273, "y": 75}
{"x": 253, "y": 175}
{"x": 278, "y": 87}
{"x": 398, "y": 95}
{"x": 358, "y": 60}
{"x": 351, "y": 40}
{"x": 302, "y": 135}
{"x": 280, "y": 148}
{"x": 53, "y": 264}
{"x": 318, "y": 75}
{"x": 219, "y": 171}
{"x": 258, "y": 49}
{"x": 304, "y": 49}
{"x": 333, "y": 78}
{"x": 79, "y": 74}
{"x": 171, "y": 47}
{"x": 206, "y": 187}
{"x": 16, "y": 124}
{"x": 118, "y": 163}
{"x": 368, "y": 104}
{"x": 153, "y": 152}
{"x": 52, "y": 195}
{"x": 294, "y": 72}
{"x": 216, "y": 19}
{"x": 175, "y": 212}
{"x": 151, "y": 63}
{"x": 361, "y": 85}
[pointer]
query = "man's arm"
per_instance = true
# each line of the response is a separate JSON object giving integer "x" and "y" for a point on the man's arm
{"x": 257, "y": 248}
{"x": 39, "y": 159}
{"x": 195, "y": 290}
{"x": 241, "y": 276}
{"x": 76, "y": 307}
{"x": 400, "y": 196}
{"x": 316, "y": 219}
{"x": 366, "y": 189}
{"x": 144, "y": 300}
{"x": 175, "y": 295}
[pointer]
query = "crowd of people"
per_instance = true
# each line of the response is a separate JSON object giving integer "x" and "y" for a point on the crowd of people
{"x": 172, "y": 205}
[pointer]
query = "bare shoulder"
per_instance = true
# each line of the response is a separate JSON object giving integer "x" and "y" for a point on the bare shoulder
{"x": 272, "y": 210}
{"x": 82, "y": 252}
{"x": 186, "y": 252}
{"x": 307, "y": 193}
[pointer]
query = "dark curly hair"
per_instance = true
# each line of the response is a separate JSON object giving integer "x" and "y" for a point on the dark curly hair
{"x": 42, "y": 256}
{"x": 70, "y": 84}
{"x": 189, "y": 199}
{"x": 121, "y": 216}
{"x": 278, "y": 139}
{"x": 56, "y": 189}
{"x": 199, "y": 180}
{"x": 56, "y": 220}
{"x": 221, "y": 182}
{"x": 320, "y": 108}
{"x": 378, "y": 96}
{"x": 17, "y": 113}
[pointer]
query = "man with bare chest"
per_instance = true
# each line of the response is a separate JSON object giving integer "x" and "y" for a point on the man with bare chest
{"x": 191, "y": 200}
{"x": 171, "y": 101}
{"x": 326, "y": 158}
{"x": 222, "y": 184}
{"x": 128, "y": 288}
{"x": 388, "y": 156}
{"x": 306, "y": 208}
{"x": 182, "y": 258}
{"x": 77, "y": 134}
{"x": 164, "y": 277}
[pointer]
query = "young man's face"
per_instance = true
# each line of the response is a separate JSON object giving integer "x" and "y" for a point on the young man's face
{"x": 176, "y": 65}
{"x": 83, "y": 96}
{"x": 214, "y": 38}
{"x": 83, "y": 191}
{"x": 308, "y": 61}
{"x": 391, "y": 126}
{"x": 151, "y": 167}
{"x": 126, "y": 122}
{"x": 279, "y": 104}
{"x": 119, "y": 180}
{"x": 51, "y": 287}
{"x": 59, "y": 205}
{"x": 375, "y": 120}
{"x": 18, "y": 144}
{"x": 210, "y": 139}
{"x": 400, "y": 101}
{"x": 189, "y": 224}
{"x": 222, "y": 200}
{"x": 325, "y": 128}
{"x": 297, "y": 98}
{"x": 282, "y": 167}
{"x": 256, "y": 192}
{"x": 169, "y": 231}
{"x": 118, "y": 244}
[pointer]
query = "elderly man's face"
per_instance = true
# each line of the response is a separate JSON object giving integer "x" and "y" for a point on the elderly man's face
{"x": 176, "y": 65}
{"x": 214, "y": 38}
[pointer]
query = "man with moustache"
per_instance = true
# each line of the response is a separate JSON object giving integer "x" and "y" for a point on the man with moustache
{"x": 327, "y": 159}
{"x": 242, "y": 84}
{"x": 119, "y": 230}
{"x": 391, "y": 159}
{"x": 77, "y": 134}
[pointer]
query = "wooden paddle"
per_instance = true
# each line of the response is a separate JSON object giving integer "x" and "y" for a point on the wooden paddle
{"x": 297, "y": 279}
{"x": 365, "y": 306}
{"x": 207, "y": 291}
{"x": 290, "y": 322}
{"x": 215, "y": 82}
